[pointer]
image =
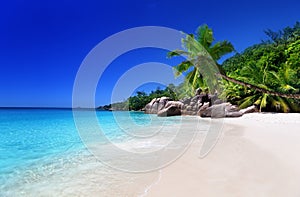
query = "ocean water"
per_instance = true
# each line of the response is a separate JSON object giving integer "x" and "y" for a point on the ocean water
{"x": 42, "y": 152}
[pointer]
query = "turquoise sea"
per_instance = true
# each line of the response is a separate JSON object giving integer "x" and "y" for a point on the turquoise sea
{"x": 42, "y": 154}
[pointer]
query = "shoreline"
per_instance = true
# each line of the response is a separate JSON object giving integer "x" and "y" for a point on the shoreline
{"x": 256, "y": 154}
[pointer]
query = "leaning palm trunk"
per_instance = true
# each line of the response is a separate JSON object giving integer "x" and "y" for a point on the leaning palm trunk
{"x": 254, "y": 87}
{"x": 203, "y": 56}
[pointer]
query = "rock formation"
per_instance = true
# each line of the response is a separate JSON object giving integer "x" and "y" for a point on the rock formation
{"x": 223, "y": 110}
{"x": 156, "y": 105}
{"x": 201, "y": 104}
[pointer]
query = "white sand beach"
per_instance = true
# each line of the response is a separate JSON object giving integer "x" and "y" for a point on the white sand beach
{"x": 256, "y": 155}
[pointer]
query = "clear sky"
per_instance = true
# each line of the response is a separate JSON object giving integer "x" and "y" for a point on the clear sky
{"x": 42, "y": 43}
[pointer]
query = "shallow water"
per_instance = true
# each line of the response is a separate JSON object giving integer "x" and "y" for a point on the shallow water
{"x": 42, "y": 153}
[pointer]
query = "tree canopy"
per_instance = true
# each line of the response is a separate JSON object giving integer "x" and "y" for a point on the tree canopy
{"x": 273, "y": 65}
{"x": 201, "y": 54}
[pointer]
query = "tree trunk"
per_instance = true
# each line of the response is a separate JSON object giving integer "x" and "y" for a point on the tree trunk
{"x": 294, "y": 96}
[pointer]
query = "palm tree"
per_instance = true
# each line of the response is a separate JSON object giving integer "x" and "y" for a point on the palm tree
{"x": 201, "y": 55}
{"x": 202, "y": 67}
{"x": 263, "y": 78}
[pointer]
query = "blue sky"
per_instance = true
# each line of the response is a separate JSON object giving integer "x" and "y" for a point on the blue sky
{"x": 42, "y": 43}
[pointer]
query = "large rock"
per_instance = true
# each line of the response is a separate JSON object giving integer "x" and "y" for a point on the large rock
{"x": 154, "y": 107}
{"x": 200, "y": 104}
{"x": 204, "y": 110}
{"x": 172, "y": 110}
{"x": 164, "y": 106}
{"x": 149, "y": 106}
{"x": 178, "y": 104}
{"x": 196, "y": 98}
{"x": 186, "y": 101}
{"x": 223, "y": 110}
{"x": 162, "y": 102}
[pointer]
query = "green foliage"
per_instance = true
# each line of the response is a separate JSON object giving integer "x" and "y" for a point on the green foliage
{"x": 201, "y": 54}
{"x": 184, "y": 90}
{"x": 140, "y": 99}
{"x": 285, "y": 35}
{"x": 272, "y": 65}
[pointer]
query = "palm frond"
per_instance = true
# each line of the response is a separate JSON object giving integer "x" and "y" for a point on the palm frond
{"x": 182, "y": 67}
{"x": 283, "y": 105}
{"x": 205, "y": 35}
{"x": 263, "y": 102}
{"x": 246, "y": 102}
{"x": 177, "y": 52}
{"x": 220, "y": 49}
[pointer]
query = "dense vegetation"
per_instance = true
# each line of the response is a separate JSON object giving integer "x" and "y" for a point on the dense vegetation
{"x": 140, "y": 99}
{"x": 273, "y": 65}
{"x": 266, "y": 74}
